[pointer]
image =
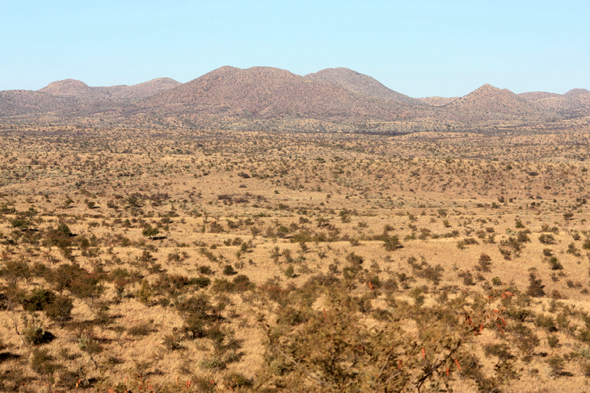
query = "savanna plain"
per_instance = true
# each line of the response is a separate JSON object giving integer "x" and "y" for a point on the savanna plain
{"x": 137, "y": 260}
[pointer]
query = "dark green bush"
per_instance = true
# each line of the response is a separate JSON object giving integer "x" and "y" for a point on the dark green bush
{"x": 38, "y": 300}
{"x": 60, "y": 310}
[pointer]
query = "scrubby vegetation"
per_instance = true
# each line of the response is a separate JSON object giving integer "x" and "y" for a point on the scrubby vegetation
{"x": 212, "y": 261}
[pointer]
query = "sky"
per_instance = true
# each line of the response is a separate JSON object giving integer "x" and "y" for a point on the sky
{"x": 416, "y": 47}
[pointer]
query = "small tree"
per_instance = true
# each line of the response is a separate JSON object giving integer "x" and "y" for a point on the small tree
{"x": 150, "y": 232}
{"x": 536, "y": 286}
{"x": 392, "y": 243}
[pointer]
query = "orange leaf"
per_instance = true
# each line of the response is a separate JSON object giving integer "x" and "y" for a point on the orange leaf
{"x": 500, "y": 327}
{"x": 447, "y": 371}
{"x": 399, "y": 364}
{"x": 423, "y": 353}
{"x": 503, "y": 296}
{"x": 457, "y": 363}
{"x": 509, "y": 293}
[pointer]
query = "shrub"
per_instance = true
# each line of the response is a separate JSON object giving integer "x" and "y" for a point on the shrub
{"x": 172, "y": 342}
{"x": 60, "y": 310}
{"x": 242, "y": 283}
{"x": 139, "y": 330}
{"x": 289, "y": 271}
{"x": 392, "y": 243}
{"x": 536, "y": 286}
{"x": 228, "y": 270}
{"x": 546, "y": 322}
{"x": 552, "y": 341}
{"x": 467, "y": 278}
{"x": 34, "y": 333}
{"x": 484, "y": 263}
{"x": 149, "y": 231}
{"x": 332, "y": 350}
{"x": 236, "y": 380}
{"x": 89, "y": 345}
{"x": 557, "y": 364}
{"x": 41, "y": 362}
{"x": 355, "y": 260}
{"x": 554, "y": 264}
{"x": 205, "y": 270}
{"x": 38, "y": 300}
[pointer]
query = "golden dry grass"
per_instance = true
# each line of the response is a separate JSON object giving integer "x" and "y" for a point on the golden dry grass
{"x": 205, "y": 189}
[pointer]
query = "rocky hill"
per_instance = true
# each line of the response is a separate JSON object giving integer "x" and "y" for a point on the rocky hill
{"x": 265, "y": 92}
{"x": 574, "y": 103}
{"x": 337, "y": 99}
{"x": 437, "y": 101}
{"x": 360, "y": 83}
{"x": 26, "y": 102}
{"x": 79, "y": 89}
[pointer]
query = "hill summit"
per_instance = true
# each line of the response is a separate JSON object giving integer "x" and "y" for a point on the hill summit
{"x": 360, "y": 83}
{"x": 67, "y": 87}
{"x": 79, "y": 89}
{"x": 266, "y": 92}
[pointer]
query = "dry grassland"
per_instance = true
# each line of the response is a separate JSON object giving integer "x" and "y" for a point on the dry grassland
{"x": 216, "y": 261}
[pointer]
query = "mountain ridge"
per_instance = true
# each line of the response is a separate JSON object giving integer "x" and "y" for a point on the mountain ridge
{"x": 76, "y": 88}
{"x": 360, "y": 83}
{"x": 235, "y": 97}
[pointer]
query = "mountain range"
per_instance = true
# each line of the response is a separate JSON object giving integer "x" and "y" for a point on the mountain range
{"x": 266, "y": 97}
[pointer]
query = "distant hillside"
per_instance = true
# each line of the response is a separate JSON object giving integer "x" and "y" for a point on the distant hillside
{"x": 79, "y": 89}
{"x": 147, "y": 89}
{"x": 489, "y": 102}
{"x": 360, "y": 83}
{"x": 32, "y": 103}
{"x": 574, "y": 103}
{"x": 67, "y": 87}
{"x": 36, "y": 105}
{"x": 265, "y": 92}
{"x": 266, "y": 98}
{"x": 537, "y": 95}
{"x": 437, "y": 101}
{"x": 577, "y": 93}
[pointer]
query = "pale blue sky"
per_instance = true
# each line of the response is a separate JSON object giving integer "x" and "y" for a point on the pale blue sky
{"x": 419, "y": 48}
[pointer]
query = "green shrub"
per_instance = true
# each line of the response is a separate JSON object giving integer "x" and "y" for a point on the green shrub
{"x": 38, "y": 300}
{"x": 60, "y": 310}
{"x": 228, "y": 270}
{"x": 34, "y": 332}
{"x": 392, "y": 243}
{"x": 536, "y": 286}
{"x": 547, "y": 239}
{"x": 41, "y": 362}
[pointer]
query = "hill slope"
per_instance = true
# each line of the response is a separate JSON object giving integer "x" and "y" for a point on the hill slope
{"x": 360, "y": 83}
{"x": 488, "y": 103}
{"x": 79, "y": 89}
{"x": 264, "y": 92}
{"x": 574, "y": 103}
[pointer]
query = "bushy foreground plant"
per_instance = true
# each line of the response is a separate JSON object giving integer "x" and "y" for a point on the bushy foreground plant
{"x": 336, "y": 350}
